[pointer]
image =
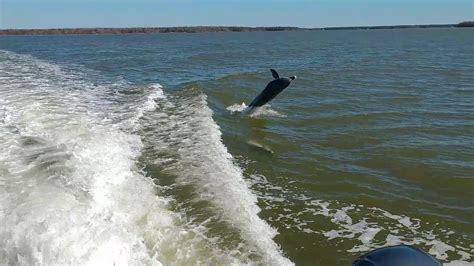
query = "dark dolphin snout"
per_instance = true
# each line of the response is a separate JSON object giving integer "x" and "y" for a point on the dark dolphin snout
{"x": 272, "y": 89}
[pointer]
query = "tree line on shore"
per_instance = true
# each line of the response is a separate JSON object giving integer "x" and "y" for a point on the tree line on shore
{"x": 140, "y": 30}
{"x": 195, "y": 29}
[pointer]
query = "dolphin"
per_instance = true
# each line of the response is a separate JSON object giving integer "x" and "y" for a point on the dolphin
{"x": 271, "y": 90}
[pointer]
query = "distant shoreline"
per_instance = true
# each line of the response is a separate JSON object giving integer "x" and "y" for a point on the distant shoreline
{"x": 458, "y": 25}
{"x": 197, "y": 29}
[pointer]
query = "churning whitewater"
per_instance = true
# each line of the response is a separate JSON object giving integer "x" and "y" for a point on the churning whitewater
{"x": 75, "y": 188}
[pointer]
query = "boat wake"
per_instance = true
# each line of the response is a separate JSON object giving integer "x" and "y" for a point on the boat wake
{"x": 186, "y": 141}
{"x": 72, "y": 186}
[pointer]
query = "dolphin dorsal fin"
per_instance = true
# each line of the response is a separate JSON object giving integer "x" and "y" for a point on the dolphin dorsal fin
{"x": 274, "y": 74}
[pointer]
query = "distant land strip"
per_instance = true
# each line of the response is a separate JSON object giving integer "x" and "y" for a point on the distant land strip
{"x": 196, "y": 29}
{"x": 459, "y": 25}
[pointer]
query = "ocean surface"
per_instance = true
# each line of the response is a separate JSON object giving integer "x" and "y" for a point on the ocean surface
{"x": 135, "y": 149}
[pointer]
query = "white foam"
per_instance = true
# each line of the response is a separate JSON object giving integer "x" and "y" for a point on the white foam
{"x": 187, "y": 130}
{"x": 154, "y": 91}
{"x": 366, "y": 232}
{"x": 363, "y": 233}
{"x": 458, "y": 263}
{"x": 237, "y": 108}
{"x": 393, "y": 240}
{"x": 440, "y": 249}
{"x": 71, "y": 192}
{"x": 254, "y": 112}
{"x": 265, "y": 110}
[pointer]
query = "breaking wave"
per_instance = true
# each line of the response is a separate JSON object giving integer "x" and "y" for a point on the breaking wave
{"x": 187, "y": 142}
{"x": 73, "y": 192}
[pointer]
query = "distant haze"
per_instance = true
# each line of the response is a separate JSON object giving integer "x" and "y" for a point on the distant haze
{"x": 34, "y": 14}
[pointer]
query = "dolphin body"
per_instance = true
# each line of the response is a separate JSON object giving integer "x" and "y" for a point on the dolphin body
{"x": 271, "y": 90}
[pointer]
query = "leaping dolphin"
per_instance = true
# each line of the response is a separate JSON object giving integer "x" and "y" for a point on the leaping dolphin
{"x": 271, "y": 90}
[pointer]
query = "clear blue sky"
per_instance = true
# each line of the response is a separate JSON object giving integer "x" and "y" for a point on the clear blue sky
{"x": 302, "y": 13}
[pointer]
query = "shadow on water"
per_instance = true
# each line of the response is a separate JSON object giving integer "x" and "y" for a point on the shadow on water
{"x": 257, "y": 139}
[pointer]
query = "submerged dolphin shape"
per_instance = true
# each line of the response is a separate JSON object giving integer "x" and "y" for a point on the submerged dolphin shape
{"x": 271, "y": 90}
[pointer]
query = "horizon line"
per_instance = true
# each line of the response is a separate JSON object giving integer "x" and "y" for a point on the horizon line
{"x": 231, "y": 26}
